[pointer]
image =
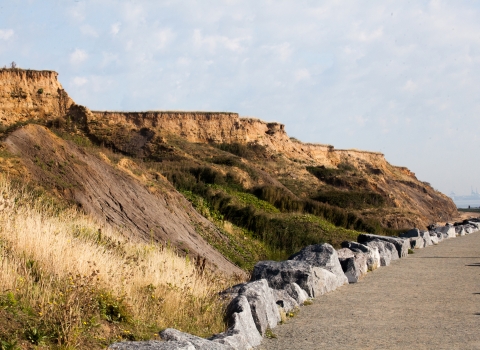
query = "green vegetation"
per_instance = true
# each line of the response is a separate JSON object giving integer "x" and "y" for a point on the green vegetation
{"x": 351, "y": 199}
{"x": 99, "y": 294}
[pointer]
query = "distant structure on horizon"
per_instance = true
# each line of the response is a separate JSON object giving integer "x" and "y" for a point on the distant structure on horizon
{"x": 473, "y": 195}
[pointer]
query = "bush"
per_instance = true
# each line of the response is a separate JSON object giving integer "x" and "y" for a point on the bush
{"x": 351, "y": 199}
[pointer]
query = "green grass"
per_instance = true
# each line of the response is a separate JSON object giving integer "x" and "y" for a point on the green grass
{"x": 248, "y": 199}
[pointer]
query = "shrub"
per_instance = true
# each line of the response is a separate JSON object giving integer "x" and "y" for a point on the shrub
{"x": 351, "y": 199}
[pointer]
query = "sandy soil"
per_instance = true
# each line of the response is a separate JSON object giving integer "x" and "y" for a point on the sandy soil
{"x": 429, "y": 300}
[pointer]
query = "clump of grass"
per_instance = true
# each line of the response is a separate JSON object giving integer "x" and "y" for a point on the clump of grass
{"x": 69, "y": 283}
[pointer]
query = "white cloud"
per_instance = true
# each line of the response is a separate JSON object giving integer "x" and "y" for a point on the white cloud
{"x": 410, "y": 86}
{"x": 302, "y": 74}
{"x": 77, "y": 12}
{"x": 163, "y": 38}
{"x": 109, "y": 58}
{"x": 366, "y": 36}
{"x": 282, "y": 51}
{"x": 115, "y": 28}
{"x": 88, "y": 30}
{"x": 79, "y": 81}
{"x": 78, "y": 56}
{"x": 6, "y": 34}
{"x": 211, "y": 42}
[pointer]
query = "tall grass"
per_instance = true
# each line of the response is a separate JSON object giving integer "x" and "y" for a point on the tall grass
{"x": 86, "y": 285}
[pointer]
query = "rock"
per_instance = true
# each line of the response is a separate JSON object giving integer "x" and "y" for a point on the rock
{"x": 153, "y": 345}
{"x": 373, "y": 256}
{"x": 297, "y": 293}
{"x": 361, "y": 260}
{"x": 418, "y": 239}
{"x": 402, "y": 245}
{"x": 475, "y": 224}
{"x": 262, "y": 304}
{"x": 460, "y": 230}
{"x": 242, "y": 333}
{"x": 417, "y": 242}
{"x": 427, "y": 238}
{"x": 324, "y": 281}
{"x": 434, "y": 239}
{"x": 173, "y": 335}
{"x": 349, "y": 265}
{"x": 393, "y": 250}
{"x": 385, "y": 254}
{"x": 284, "y": 300}
{"x": 468, "y": 229}
{"x": 323, "y": 256}
{"x": 446, "y": 231}
{"x": 281, "y": 273}
{"x": 438, "y": 235}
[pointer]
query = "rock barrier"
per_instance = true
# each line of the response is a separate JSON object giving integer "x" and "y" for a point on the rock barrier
{"x": 279, "y": 287}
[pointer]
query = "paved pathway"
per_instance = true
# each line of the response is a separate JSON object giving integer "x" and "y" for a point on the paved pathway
{"x": 429, "y": 300}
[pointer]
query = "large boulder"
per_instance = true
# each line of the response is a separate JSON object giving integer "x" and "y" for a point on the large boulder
{"x": 475, "y": 224}
{"x": 433, "y": 239}
{"x": 349, "y": 265}
{"x": 242, "y": 333}
{"x": 438, "y": 235}
{"x": 284, "y": 300}
{"x": 297, "y": 293}
{"x": 324, "y": 281}
{"x": 279, "y": 274}
{"x": 393, "y": 250}
{"x": 426, "y": 237}
{"x": 402, "y": 245}
{"x": 323, "y": 256}
{"x": 417, "y": 242}
{"x": 447, "y": 231}
{"x": 372, "y": 254}
{"x": 385, "y": 254}
{"x": 262, "y": 304}
{"x": 173, "y": 335}
{"x": 153, "y": 345}
{"x": 361, "y": 260}
{"x": 460, "y": 230}
{"x": 418, "y": 239}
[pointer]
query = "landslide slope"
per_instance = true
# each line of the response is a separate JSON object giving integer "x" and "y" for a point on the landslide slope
{"x": 112, "y": 193}
{"x": 265, "y": 194}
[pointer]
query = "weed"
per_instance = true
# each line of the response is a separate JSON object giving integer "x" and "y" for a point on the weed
{"x": 36, "y": 336}
{"x": 9, "y": 345}
{"x": 269, "y": 334}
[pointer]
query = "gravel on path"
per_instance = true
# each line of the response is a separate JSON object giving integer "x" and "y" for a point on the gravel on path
{"x": 428, "y": 300}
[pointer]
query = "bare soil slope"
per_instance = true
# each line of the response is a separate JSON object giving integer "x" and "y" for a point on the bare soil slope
{"x": 112, "y": 195}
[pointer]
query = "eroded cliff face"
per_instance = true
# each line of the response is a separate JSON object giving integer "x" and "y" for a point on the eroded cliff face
{"x": 224, "y": 127}
{"x": 30, "y": 94}
{"x": 410, "y": 202}
{"x": 147, "y": 134}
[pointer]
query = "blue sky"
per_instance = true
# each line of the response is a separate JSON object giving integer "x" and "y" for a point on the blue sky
{"x": 400, "y": 77}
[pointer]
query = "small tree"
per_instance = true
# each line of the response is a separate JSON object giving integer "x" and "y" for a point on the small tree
{"x": 13, "y": 65}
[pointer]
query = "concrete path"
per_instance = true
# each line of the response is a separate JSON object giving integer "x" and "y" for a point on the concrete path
{"x": 429, "y": 300}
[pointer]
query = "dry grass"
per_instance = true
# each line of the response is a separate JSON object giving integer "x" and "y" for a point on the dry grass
{"x": 84, "y": 286}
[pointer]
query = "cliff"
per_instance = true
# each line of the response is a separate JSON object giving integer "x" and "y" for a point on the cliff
{"x": 352, "y": 188}
{"x": 31, "y": 95}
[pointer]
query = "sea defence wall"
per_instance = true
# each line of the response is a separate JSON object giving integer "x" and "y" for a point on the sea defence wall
{"x": 278, "y": 288}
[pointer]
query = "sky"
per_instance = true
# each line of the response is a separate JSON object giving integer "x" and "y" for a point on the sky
{"x": 398, "y": 77}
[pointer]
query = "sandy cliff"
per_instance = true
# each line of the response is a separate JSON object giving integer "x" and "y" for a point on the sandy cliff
{"x": 30, "y": 94}
{"x": 141, "y": 134}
